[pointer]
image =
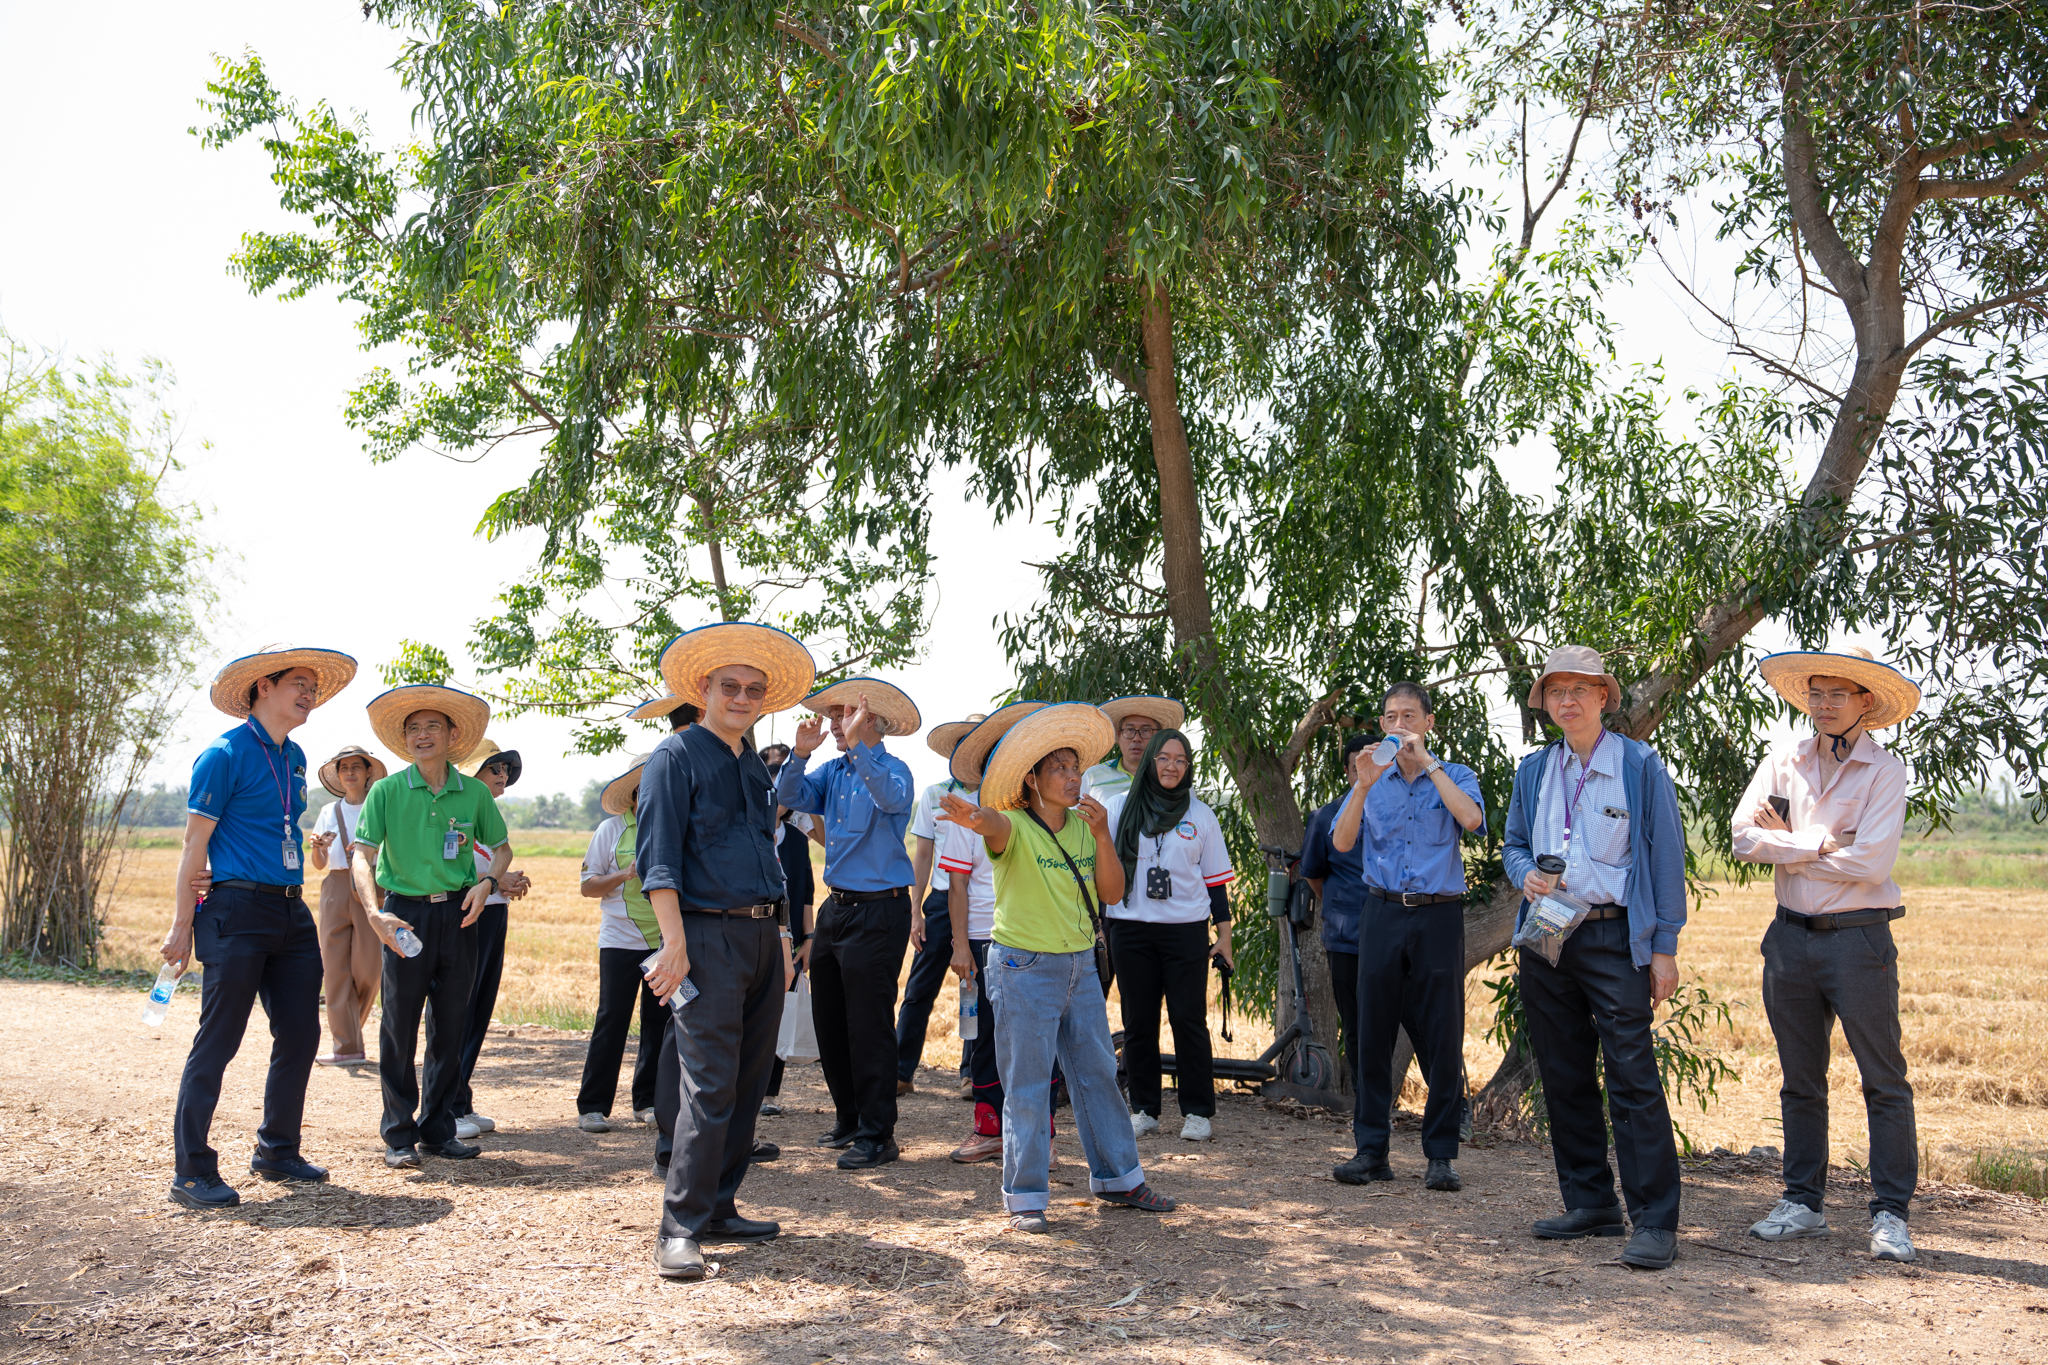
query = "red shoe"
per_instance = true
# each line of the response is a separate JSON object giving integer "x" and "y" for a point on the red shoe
{"x": 980, "y": 1147}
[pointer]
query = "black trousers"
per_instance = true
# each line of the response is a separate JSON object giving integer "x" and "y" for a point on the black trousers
{"x": 441, "y": 976}
{"x": 1595, "y": 1005}
{"x": 928, "y": 976}
{"x": 1170, "y": 963}
{"x": 856, "y": 952}
{"x": 725, "y": 1047}
{"x": 483, "y": 998}
{"x": 255, "y": 946}
{"x": 981, "y": 1053}
{"x": 1344, "y": 985}
{"x": 1411, "y": 974}
{"x": 620, "y": 989}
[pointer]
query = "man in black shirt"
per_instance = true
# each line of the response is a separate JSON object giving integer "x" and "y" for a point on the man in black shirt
{"x": 708, "y": 863}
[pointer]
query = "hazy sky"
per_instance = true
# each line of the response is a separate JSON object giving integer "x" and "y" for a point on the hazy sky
{"x": 117, "y": 241}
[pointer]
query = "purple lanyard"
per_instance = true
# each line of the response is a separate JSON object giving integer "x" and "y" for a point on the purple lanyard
{"x": 1585, "y": 771}
{"x": 275, "y": 779}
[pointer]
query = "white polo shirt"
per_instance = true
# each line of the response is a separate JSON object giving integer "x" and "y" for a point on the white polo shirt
{"x": 615, "y": 928}
{"x": 965, "y": 855}
{"x": 1105, "y": 780}
{"x": 924, "y": 822}
{"x": 1194, "y": 856}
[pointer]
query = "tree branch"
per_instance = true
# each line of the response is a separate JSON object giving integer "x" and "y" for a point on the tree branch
{"x": 1803, "y": 191}
{"x": 1985, "y": 189}
{"x": 790, "y": 28}
{"x": 1316, "y": 717}
{"x": 1975, "y": 310}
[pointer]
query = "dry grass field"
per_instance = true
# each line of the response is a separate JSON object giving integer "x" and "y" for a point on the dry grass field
{"x": 1974, "y": 971}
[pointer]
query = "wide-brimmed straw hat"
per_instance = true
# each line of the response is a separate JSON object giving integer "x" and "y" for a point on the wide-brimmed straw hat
{"x": 470, "y": 715}
{"x": 1897, "y": 696}
{"x": 1580, "y": 659}
{"x": 488, "y": 753}
{"x": 970, "y": 753}
{"x": 1071, "y": 725}
{"x": 1168, "y": 713}
{"x": 661, "y": 706}
{"x": 696, "y": 654}
{"x": 941, "y": 739}
{"x": 617, "y": 797}
{"x": 889, "y": 704}
{"x": 331, "y": 669}
{"x": 330, "y": 771}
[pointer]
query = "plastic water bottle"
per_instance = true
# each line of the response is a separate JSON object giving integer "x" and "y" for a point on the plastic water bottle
{"x": 682, "y": 995}
{"x": 159, "y": 1003}
{"x": 970, "y": 1011}
{"x": 409, "y": 944}
{"x": 1384, "y": 755}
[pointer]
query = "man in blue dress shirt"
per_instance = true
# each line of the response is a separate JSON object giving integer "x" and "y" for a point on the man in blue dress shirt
{"x": 1406, "y": 818}
{"x": 863, "y": 927}
{"x": 253, "y": 933}
{"x": 1340, "y": 894}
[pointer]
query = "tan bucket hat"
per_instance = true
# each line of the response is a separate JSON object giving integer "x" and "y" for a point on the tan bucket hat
{"x": 332, "y": 669}
{"x": 330, "y": 771}
{"x": 1580, "y": 659}
{"x": 1165, "y": 711}
{"x": 470, "y": 714}
{"x": 971, "y": 753}
{"x": 695, "y": 654}
{"x": 887, "y": 702}
{"x": 617, "y": 797}
{"x": 1898, "y": 696}
{"x": 941, "y": 739}
{"x": 1070, "y": 725}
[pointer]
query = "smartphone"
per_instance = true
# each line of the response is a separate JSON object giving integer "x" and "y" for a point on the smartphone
{"x": 1782, "y": 805}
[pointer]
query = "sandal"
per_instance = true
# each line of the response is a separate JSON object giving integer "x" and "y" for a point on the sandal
{"x": 1144, "y": 1197}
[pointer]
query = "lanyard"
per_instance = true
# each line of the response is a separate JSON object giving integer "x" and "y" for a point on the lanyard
{"x": 276, "y": 780}
{"x": 1585, "y": 771}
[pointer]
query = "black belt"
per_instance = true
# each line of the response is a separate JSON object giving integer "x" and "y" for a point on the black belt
{"x": 1841, "y": 919}
{"x": 1607, "y": 910}
{"x": 760, "y": 910}
{"x": 862, "y": 897}
{"x": 1412, "y": 899}
{"x": 432, "y": 898}
{"x": 237, "y": 884}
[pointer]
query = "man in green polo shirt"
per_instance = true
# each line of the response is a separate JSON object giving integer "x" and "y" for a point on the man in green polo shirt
{"x": 416, "y": 840}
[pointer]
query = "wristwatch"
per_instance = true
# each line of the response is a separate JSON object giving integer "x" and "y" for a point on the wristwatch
{"x": 1436, "y": 765}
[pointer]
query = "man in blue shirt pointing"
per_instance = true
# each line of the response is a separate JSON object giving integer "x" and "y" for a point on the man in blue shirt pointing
{"x": 253, "y": 933}
{"x": 863, "y": 928}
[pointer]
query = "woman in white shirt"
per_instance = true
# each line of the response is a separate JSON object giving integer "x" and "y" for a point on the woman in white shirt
{"x": 351, "y": 955}
{"x": 626, "y": 934}
{"x": 1175, "y": 870}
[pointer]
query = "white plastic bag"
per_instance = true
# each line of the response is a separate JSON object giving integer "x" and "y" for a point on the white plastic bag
{"x": 798, "y": 1041}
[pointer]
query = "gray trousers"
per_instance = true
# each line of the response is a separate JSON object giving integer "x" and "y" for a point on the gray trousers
{"x": 725, "y": 1048}
{"x": 1812, "y": 979}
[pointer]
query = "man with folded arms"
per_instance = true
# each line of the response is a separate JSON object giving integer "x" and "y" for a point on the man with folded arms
{"x": 416, "y": 843}
{"x": 705, "y": 855}
{"x": 1604, "y": 803}
{"x": 254, "y": 934}
{"x": 1406, "y": 819}
{"x": 863, "y": 928}
{"x": 1829, "y": 952}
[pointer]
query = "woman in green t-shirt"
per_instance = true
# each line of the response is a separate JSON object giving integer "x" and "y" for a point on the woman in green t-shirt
{"x": 1042, "y": 981}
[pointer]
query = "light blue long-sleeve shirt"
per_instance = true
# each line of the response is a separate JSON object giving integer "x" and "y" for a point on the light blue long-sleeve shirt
{"x": 865, "y": 796}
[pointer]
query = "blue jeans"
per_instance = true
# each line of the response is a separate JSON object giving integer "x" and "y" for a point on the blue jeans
{"x": 1051, "y": 1005}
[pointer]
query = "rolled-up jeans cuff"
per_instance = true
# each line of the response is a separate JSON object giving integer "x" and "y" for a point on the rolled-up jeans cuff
{"x": 1129, "y": 1180}
{"x": 1031, "y": 1201}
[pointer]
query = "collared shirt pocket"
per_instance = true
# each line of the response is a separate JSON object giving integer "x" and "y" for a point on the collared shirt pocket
{"x": 1607, "y": 836}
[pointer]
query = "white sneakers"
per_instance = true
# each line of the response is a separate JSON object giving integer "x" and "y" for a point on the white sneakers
{"x": 483, "y": 1125}
{"x": 643, "y": 1116}
{"x": 1889, "y": 1240}
{"x": 1790, "y": 1220}
{"x": 594, "y": 1123}
{"x": 1196, "y": 1129}
{"x": 465, "y": 1130}
{"x": 1142, "y": 1124}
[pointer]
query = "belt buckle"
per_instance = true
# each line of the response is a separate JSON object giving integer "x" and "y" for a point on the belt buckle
{"x": 1411, "y": 900}
{"x": 436, "y": 897}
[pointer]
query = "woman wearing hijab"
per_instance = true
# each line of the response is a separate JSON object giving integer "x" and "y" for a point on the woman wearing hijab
{"x": 1175, "y": 870}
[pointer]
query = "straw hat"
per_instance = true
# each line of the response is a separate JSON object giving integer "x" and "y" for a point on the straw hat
{"x": 693, "y": 655}
{"x": 1581, "y": 659}
{"x": 660, "y": 706}
{"x": 617, "y": 797}
{"x": 1897, "y": 696}
{"x": 332, "y": 669}
{"x": 972, "y": 751}
{"x": 1165, "y": 711}
{"x": 488, "y": 753}
{"x": 941, "y": 738}
{"x": 330, "y": 771}
{"x": 1071, "y": 725}
{"x": 887, "y": 703}
{"x": 471, "y": 716}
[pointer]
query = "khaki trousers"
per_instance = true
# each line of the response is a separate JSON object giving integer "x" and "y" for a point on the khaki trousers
{"x": 351, "y": 960}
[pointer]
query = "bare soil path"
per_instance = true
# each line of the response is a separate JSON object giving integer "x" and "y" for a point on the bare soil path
{"x": 541, "y": 1249}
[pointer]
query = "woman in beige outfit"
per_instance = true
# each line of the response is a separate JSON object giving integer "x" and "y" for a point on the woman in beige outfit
{"x": 351, "y": 956}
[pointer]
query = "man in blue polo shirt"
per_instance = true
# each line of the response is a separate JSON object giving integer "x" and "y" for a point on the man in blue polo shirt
{"x": 253, "y": 933}
{"x": 1405, "y": 819}
{"x": 863, "y": 926}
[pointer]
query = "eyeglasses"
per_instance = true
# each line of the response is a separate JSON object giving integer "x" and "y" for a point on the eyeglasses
{"x": 733, "y": 687}
{"x": 1832, "y": 701}
{"x": 1138, "y": 731}
{"x": 1578, "y": 692}
{"x": 425, "y": 727}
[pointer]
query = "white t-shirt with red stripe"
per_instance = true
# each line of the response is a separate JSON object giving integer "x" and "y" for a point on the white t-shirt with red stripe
{"x": 963, "y": 854}
{"x": 1194, "y": 856}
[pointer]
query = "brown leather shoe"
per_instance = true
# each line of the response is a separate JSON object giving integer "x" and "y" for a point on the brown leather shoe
{"x": 979, "y": 1148}
{"x": 906, "y": 1087}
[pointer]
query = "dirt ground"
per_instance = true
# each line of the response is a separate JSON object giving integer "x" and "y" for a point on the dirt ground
{"x": 541, "y": 1249}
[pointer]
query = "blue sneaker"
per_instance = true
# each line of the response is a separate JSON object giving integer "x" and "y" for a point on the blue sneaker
{"x": 204, "y": 1192}
{"x": 296, "y": 1169}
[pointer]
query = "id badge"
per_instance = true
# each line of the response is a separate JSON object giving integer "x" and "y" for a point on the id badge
{"x": 291, "y": 856}
{"x": 451, "y": 846}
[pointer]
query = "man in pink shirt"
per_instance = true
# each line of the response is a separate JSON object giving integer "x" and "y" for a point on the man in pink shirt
{"x": 1828, "y": 814}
